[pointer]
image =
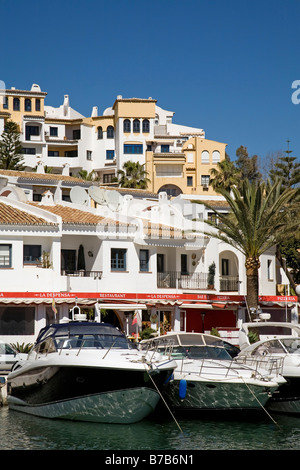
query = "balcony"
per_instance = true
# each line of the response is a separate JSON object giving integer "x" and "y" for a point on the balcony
{"x": 82, "y": 273}
{"x": 229, "y": 283}
{"x": 176, "y": 279}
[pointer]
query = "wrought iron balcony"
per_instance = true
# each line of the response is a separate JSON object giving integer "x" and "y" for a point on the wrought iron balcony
{"x": 82, "y": 273}
{"x": 176, "y": 279}
{"x": 229, "y": 283}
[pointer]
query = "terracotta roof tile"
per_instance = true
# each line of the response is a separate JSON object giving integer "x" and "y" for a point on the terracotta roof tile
{"x": 71, "y": 215}
{"x": 10, "y": 215}
{"x": 40, "y": 176}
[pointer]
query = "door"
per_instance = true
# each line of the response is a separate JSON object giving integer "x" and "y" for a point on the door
{"x": 68, "y": 261}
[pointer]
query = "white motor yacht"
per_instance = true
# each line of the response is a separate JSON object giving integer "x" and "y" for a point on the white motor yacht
{"x": 273, "y": 341}
{"x": 89, "y": 372}
{"x": 207, "y": 378}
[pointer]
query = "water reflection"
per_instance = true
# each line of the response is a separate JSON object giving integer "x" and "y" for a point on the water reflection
{"x": 23, "y": 432}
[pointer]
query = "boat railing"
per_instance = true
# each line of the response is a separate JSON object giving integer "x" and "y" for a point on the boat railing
{"x": 272, "y": 365}
{"x": 213, "y": 368}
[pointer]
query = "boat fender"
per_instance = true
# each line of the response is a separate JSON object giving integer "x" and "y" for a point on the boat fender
{"x": 182, "y": 389}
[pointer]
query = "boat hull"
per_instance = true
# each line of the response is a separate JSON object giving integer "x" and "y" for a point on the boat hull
{"x": 287, "y": 399}
{"x": 86, "y": 393}
{"x": 120, "y": 406}
{"x": 208, "y": 395}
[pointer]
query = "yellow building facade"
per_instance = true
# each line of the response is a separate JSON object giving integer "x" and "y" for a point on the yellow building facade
{"x": 186, "y": 172}
{"x": 177, "y": 158}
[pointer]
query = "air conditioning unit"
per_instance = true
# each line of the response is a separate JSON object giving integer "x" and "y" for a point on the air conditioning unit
{"x": 205, "y": 186}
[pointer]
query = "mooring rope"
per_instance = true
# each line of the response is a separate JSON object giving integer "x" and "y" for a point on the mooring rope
{"x": 164, "y": 400}
{"x": 259, "y": 402}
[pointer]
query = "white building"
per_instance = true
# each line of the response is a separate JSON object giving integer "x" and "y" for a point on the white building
{"x": 143, "y": 254}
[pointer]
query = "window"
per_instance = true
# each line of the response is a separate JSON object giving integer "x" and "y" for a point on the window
{"x": 168, "y": 170}
{"x": 89, "y": 155}
{"x": 27, "y": 104}
{"x": 68, "y": 261}
{"x": 16, "y": 104}
{"x": 126, "y": 126}
{"x": 189, "y": 181}
{"x": 216, "y": 156}
{"x": 110, "y": 154}
{"x": 37, "y": 104}
{"x": 29, "y": 151}
{"x": 37, "y": 197}
{"x": 32, "y": 254}
{"x": 5, "y": 256}
{"x": 100, "y": 133}
{"x": 205, "y": 156}
{"x": 136, "y": 126}
{"x": 71, "y": 153}
{"x": 205, "y": 180}
{"x": 184, "y": 264}
{"x": 5, "y": 102}
{"x": 118, "y": 259}
{"x": 133, "y": 148}
{"x": 107, "y": 177}
{"x": 110, "y": 132}
{"x": 146, "y": 125}
{"x": 31, "y": 130}
{"x": 53, "y": 153}
{"x": 54, "y": 131}
{"x": 160, "y": 263}
{"x": 225, "y": 267}
{"x": 144, "y": 260}
{"x": 165, "y": 148}
{"x": 270, "y": 270}
{"x": 76, "y": 134}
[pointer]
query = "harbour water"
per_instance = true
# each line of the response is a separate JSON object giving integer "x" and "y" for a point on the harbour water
{"x": 19, "y": 431}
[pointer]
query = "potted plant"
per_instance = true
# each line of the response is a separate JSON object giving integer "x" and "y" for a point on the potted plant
{"x": 211, "y": 276}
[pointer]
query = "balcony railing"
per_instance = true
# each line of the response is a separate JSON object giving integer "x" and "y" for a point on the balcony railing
{"x": 176, "y": 279}
{"x": 229, "y": 283}
{"x": 82, "y": 273}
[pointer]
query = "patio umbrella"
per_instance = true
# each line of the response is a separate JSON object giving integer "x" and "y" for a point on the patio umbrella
{"x": 81, "y": 259}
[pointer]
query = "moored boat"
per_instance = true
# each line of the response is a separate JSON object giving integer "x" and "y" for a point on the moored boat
{"x": 87, "y": 371}
{"x": 207, "y": 378}
{"x": 275, "y": 341}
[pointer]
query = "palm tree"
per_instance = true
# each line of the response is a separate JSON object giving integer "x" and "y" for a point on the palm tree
{"x": 225, "y": 175}
{"x": 258, "y": 220}
{"x": 85, "y": 175}
{"x": 133, "y": 176}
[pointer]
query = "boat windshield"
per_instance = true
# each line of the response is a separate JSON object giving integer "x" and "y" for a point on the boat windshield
{"x": 292, "y": 345}
{"x": 199, "y": 352}
{"x": 192, "y": 346}
{"x": 84, "y": 335}
{"x": 100, "y": 341}
{"x": 278, "y": 346}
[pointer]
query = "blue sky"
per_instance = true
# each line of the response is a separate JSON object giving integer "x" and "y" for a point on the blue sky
{"x": 226, "y": 66}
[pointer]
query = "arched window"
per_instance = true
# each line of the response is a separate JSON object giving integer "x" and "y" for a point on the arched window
{"x": 110, "y": 132}
{"x": 100, "y": 132}
{"x": 146, "y": 125}
{"x": 27, "y": 104}
{"x": 216, "y": 156}
{"x": 126, "y": 126}
{"x": 136, "y": 125}
{"x": 205, "y": 156}
{"x": 16, "y": 104}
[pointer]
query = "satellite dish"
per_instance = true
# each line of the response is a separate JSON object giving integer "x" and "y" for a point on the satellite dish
{"x": 97, "y": 194}
{"x": 79, "y": 195}
{"x": 114, "y": 200}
